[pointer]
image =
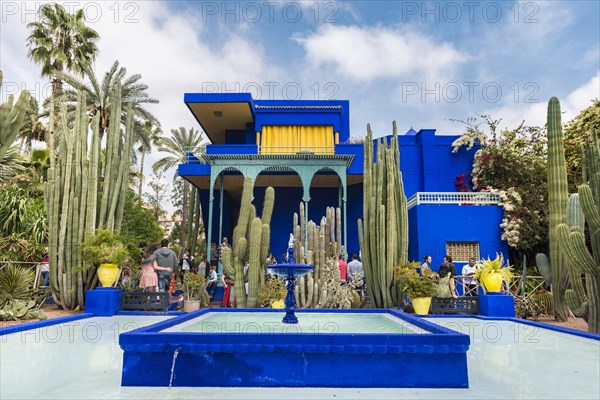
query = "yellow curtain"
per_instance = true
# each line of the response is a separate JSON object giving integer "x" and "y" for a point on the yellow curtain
{"x": 290, "y": 139}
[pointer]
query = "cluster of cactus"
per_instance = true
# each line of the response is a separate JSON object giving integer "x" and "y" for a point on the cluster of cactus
{"x": 71, "y": 192}
{"x": 251, "y": 241}
{"x": 384, "y": 235}
{"x": 15, "y": 310}
{"x": 569, "y": 254}
{"x": 576, "y": 296}
{"x": 11, "y": 119}
{"x": 573, "y": 243}
{"x": 322, "y": 287}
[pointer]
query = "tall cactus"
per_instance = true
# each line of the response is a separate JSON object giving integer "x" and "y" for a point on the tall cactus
{"x": 71, "y": 192}
{"x": 557, "y": 201}
{"x": 574, "y": 240}
{"x": 384, "y": 234}
{"x": 251, "y": 241}
{"x": 576, "y": 297}
{"x": 322, "y": 287}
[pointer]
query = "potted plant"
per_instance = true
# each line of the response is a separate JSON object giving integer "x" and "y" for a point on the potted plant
{"x": 107, "y": 251}
{"x": 418, "y": 287}
{"x": 192, "y": 287}
{"x": 272, "y": 293}
{"x": 491, "y": 273}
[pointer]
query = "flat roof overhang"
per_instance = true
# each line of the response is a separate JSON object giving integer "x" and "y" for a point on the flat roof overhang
{"x": 219, "y": 112}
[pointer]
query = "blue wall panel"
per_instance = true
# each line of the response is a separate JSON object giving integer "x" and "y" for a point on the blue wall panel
{"x": 439, "y": 224}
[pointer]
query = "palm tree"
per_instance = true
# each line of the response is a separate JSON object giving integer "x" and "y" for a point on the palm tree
{"x": 60, "y": 42}
{"x": 99, "y": 101}
{"x": 178, "y": 147}
{"x": 33, "y": 128}
{"x": 154, "y": 133}
{"x": 11, "y": 164}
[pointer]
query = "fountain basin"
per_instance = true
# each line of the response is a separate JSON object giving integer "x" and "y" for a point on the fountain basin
{"x": 425, "y": 355}
{"x": 283, "y": 270}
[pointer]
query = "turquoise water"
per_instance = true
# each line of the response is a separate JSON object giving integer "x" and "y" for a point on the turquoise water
{"x": 507, "y": 360}
{"x": 309, "y": 323}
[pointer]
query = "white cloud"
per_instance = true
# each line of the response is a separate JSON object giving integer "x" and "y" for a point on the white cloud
{"x": 170, "y": 49}
{"x": 535, "y": 114}
{"x": 367, "y": 53}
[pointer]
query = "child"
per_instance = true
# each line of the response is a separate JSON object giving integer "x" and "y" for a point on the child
{"x": 149, "y": 279}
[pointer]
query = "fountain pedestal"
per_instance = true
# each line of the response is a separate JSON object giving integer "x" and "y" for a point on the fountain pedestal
{"x": 290, "y": 271}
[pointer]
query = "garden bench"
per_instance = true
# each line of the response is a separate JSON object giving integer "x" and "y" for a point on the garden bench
{"x": 460, "y": 305}
{"x": 144, "y": 301}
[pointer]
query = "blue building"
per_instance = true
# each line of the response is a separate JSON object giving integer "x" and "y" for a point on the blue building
{"x": 302, "y": 149}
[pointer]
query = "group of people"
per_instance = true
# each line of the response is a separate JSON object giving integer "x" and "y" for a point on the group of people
{"x": 352, "y": 270}
{"x": 160, "y": 264}
{"x": 448, "y": 269}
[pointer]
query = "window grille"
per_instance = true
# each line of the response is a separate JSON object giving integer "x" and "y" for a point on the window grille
{"x": 462, "y": 251}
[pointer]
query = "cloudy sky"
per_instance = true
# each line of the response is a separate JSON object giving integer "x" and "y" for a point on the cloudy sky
{"x": 419, "y": 63}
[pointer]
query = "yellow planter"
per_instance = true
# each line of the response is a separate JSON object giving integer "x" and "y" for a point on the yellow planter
{"x": 108, "y": 273}
{"x": 277, "y": 304}
{"x": 421, "y": 305}
{"x": 493, "y": 282}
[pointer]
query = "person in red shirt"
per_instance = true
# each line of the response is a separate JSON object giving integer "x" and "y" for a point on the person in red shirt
{"x": 343, "y": 269}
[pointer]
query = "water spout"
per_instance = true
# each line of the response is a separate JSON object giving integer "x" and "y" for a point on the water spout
{"x": 175, "y": 353}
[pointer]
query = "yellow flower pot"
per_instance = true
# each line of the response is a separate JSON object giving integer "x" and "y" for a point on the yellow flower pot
{"x": 108, "y": 273}
{"x": 421, "y": 305}
{"x": 277, "y": 304}
{"x": 493, "y": 282}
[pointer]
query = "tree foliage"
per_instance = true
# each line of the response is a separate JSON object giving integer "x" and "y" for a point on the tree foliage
{"x": 139, "y": 225}
{"x": 577, "y": 132}
{"x": 61, "y": 41}
{"x": 177, "y": 148}
{"x": 512, "y": 161}
{"x": 99, "y": 99}
{"x": 156, "y": 197}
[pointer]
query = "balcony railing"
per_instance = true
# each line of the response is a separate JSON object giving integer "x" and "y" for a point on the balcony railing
{"x": 460, "y": 198}
{"x": 296, "y": 150}
{"x": 194, "y": 154}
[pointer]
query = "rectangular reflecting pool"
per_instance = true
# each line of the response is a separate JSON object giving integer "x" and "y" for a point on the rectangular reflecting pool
{"x": 83, "y": 360}
{"x": 310, "y": 323}
{"x": 328, "y": 348}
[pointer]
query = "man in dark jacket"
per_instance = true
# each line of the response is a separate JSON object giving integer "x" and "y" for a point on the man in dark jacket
{"x": 165, "y": 258}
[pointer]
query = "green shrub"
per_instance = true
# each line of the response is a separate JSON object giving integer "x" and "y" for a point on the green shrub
{"x": 104, "y": 248}
{"x": 16, "y": 283}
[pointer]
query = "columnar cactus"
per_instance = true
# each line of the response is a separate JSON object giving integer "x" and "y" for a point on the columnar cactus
{"x": 251, "y": 241}
{"x": 576, "y": 297}
{"x": 322, "y": 287}
{"x": 573, "y": 239}
{"x": 384, "y": 234}
{"x": 557, "y": 201}
{"x": 71, "y": 192}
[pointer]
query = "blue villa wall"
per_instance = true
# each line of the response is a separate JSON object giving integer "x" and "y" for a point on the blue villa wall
{"x": 427, "y": 165}
{"x": 432, "y": 225}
